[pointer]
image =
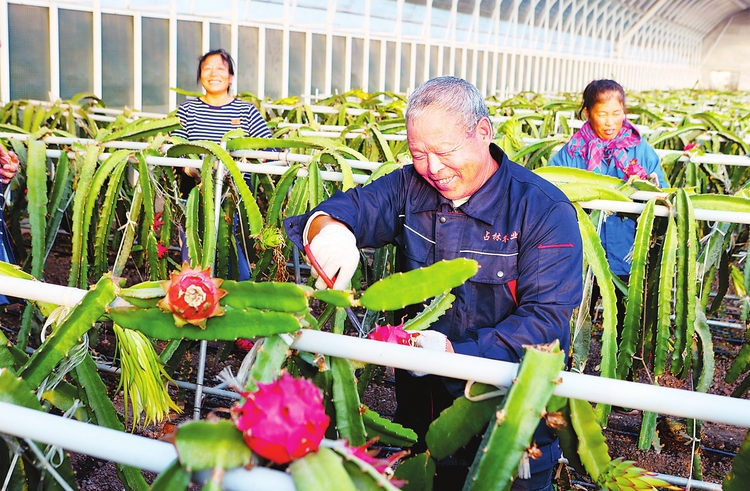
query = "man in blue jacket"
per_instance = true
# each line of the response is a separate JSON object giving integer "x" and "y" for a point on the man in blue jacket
{"x": 462, "y": 197}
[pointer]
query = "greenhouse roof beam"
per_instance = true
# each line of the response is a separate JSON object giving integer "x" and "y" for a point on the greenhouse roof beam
{"x": 640, "y": 22}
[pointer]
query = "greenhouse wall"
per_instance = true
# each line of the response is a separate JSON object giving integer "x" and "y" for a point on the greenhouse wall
{"x": 726, "y": 55}
{"x": 133, "y": 57}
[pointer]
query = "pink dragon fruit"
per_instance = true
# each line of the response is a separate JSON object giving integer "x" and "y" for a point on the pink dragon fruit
{"x": 391, "y": 334}
{"x": 635, "y": 169}
{"x": 690, "y": 146}
{"x": 192, "y": 296}
{"x": 244, "y": 344}
{"x": 284, "y": 420}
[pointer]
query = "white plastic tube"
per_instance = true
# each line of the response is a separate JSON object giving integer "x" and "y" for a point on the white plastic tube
{"x": 122, "y": 447}
{"x": 662, "y": 211}
{"x": 663, "y": 400}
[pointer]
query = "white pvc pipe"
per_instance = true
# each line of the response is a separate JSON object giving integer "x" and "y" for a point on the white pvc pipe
{"x": 662, "y": 211}
{"x": 122, "y": 447}
{"x": 663, "y": 400}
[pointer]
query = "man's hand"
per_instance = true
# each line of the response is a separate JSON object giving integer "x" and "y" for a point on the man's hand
{"x": 8, "y": 165}
{"x": 335, "y": 248}
{"x": 430, "y": 340}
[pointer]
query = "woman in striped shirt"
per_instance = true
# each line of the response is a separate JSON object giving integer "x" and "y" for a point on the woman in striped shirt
{"x": 214, "y": 114}
{"x": 211, "y": 116}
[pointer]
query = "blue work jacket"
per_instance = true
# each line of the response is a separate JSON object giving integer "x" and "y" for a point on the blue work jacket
{"x": 521, "y": 230}
{"x": 618, "y": 230}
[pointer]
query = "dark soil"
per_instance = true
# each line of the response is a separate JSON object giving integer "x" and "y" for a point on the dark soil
{"x": 717, "y": 446}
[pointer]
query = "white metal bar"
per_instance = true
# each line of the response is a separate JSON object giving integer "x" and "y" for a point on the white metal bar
{"x": 122, "y": 447}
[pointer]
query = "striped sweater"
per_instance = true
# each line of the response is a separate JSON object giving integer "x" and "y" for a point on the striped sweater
{"x": 201, "y": 121}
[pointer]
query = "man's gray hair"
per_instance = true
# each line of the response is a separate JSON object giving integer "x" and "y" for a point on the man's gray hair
{"x": 451, "y": 94}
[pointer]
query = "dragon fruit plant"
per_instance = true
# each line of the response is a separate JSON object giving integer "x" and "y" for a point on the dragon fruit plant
{"x": 192, "y": 296}
{"x": 283, "y": 420}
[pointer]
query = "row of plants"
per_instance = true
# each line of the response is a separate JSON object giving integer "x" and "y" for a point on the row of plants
{"x": 137, "y": 223}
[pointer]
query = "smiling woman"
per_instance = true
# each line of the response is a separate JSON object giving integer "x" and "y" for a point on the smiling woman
{"x": 214, "y": 114}
{"x": 211, "y": 116}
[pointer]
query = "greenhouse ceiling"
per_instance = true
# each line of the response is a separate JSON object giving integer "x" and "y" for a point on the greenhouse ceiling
{"x": 698, "y": 16}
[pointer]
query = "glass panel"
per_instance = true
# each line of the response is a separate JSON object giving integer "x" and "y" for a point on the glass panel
{"x": 358, "y": 54}
{"x": 220, "y": 37}
{"x": 117, "y": 60}
{"x": 247, "y": 60}
{"x": 28, "y": 43}
{"x": 419, "y": 76}
{"x": 457, "y": 65}
{"x": 273, "y": 62}
{"x": 155, "y": 64}
{"x": 189, "y": 35}
{"x": 390, "y": 66}
{"x": 373, "y": 79}
{"x": 434, "y": 54}
{"x": 405, "y": 68}
{"x": 318, "y": 65}
{"x": 297, "y": 68}
{"x": 338, "y": 65}
{"x": 76, "y": 52}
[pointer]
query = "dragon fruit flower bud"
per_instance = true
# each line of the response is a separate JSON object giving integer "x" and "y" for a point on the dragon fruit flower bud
{"x": 283, "y": 420}
{"x": 192, "y": 296}
{"x": 391, "y": 334}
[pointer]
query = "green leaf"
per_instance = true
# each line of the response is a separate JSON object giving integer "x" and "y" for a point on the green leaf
{"x": 173, "y": 478}
{"x": 459, "y": 423}
{"x": 206, "y": 445}
{"x": 418, "y": 472}
{"x": 321, "y": 470}
{"x": 418, "y": 285}
{"x": 236, "y": 323}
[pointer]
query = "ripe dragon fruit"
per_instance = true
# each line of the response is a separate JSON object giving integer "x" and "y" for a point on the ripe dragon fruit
{"x": 192, "y": 296}
{"x": 392, "y": 334}
{"x": 284, "y": 420}
{"x": 635, "y": 169}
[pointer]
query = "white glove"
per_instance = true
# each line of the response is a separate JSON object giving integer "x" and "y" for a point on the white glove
{"x": 431, "y": 340}
{"x": 335, "y": 249}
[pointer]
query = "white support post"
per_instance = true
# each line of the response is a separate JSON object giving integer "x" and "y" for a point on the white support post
{"x": 205, "y": 36}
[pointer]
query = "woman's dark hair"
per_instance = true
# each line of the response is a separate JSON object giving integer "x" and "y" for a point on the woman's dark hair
{"x": 224, "y": 56}
{"x": 595, "y": 92}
